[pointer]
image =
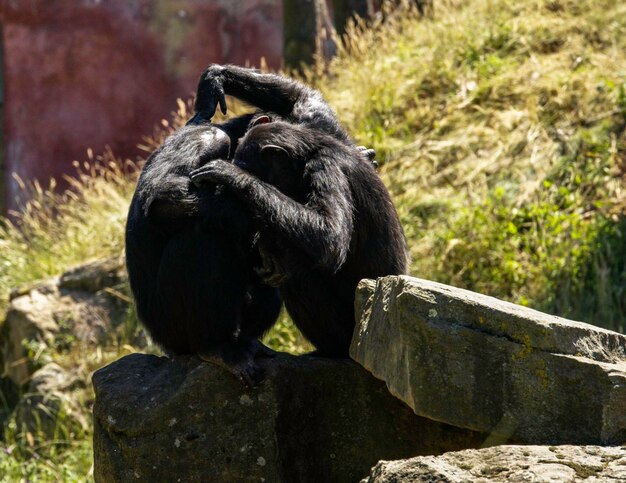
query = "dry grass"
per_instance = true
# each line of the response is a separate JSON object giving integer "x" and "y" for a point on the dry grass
{"x": 495, "y": 99}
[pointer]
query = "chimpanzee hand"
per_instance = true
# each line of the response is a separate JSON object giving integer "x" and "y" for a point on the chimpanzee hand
{"x": 211, "y": 91}
{"x": 216, "y": 171}
{"x": 271, "y": 271}
{"x": 370, "y": 153}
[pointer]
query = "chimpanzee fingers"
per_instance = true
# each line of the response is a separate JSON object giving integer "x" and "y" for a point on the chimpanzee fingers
{"x": 210, "y": 92}
{"x": 217, "y": 97}
{"x": 245, "y": 377}
{"x": 217, "y": 171}
{"x": 370, "y": 153}
{"x": 201, "y": 176}
{"x": 246, "y": 371}
{"x": 249, "y": 373}
{"x": 222, "y": 100}
{"x": 275, "y": 279}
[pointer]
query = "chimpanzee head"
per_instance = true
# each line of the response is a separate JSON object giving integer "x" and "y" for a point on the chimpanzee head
{"x": 276, "y": 152}
{"x": 190, "y": 147}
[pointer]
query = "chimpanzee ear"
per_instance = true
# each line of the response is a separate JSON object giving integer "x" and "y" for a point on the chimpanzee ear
{"x": 260, "y": 120}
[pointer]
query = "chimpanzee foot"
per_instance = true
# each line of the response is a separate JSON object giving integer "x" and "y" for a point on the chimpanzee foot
{"x": 262, "y": 351}
{"x": 245, "y": 370}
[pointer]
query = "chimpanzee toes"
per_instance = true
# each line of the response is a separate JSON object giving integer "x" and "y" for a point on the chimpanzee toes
{"x": 249, "y": 373}
{"x": 199, "y": 177}
{"x": 246, "y": 370}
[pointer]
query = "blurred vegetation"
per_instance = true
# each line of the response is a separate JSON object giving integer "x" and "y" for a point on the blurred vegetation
{"x": 500, "y": 128}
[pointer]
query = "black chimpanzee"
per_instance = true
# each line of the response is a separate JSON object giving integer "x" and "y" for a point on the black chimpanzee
{"x": 189, "y": 254}
{"x": 325, "y": 219}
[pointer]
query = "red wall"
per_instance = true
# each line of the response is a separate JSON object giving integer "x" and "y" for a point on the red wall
{"x": 84, "y": 74}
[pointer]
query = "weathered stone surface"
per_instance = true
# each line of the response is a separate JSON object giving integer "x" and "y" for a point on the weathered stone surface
{"x": 563, "y": 464}
{"x": 94, "y": 276}
{"x": 82, "y": 304}
{"x": 480, "y": 363}
{"x": 157, "y": 419}
{"x": 29, "y": 318}
{"x": 46, "y": 401}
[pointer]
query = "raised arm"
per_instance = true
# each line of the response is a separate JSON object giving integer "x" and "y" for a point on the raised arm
{"x": 286, "y": 97}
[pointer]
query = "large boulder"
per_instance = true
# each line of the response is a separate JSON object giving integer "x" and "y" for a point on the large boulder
{"x": 30, "y": 320}
{"x": 564, "y": 464}
{"x": 82, "y": 304}
{"x": 476, "y": 362}
{"x": 311, "y": 419}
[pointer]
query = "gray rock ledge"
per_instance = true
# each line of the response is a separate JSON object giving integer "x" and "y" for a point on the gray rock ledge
{"x": 563, "y": 464}
{"x": 476, "y": 362}
{"x": 158, "y": 419}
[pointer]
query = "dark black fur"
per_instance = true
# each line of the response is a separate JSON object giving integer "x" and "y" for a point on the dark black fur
{"x": 189, "y": 254}
{"x": 325, "y": 218}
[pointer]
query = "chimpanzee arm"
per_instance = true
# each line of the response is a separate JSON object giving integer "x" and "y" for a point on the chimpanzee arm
{"x": 322, "y": 227}
{"x": 269, "y": 92}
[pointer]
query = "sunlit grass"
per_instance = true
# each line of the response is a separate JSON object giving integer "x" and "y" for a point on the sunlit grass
{"x": 56, "y": 230}
{"x": 500, "y": 130}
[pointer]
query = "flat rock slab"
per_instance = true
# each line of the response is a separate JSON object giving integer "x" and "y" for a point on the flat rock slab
{"x": 159, "y": 419}
{"x": 563, "y": 464}
{"x": 476, "y": 362}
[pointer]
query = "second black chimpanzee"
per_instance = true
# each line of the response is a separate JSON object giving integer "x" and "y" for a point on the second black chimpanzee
{"x": 324, "y": 217}
{"x": 190, "y": 258}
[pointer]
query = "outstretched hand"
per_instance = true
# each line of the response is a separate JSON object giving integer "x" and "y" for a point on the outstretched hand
{"x": 216, "y": 171}
{"x": 211, "y": 91}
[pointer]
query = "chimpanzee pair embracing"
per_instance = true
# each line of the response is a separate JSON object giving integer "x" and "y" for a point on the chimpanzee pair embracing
{"x": 223, "y": 213}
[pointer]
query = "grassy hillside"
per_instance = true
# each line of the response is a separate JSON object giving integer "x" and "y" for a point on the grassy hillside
{"x": 500, "y": 128}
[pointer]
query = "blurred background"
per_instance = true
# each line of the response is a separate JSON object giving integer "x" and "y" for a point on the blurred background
{"x": 80, "y": 74}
